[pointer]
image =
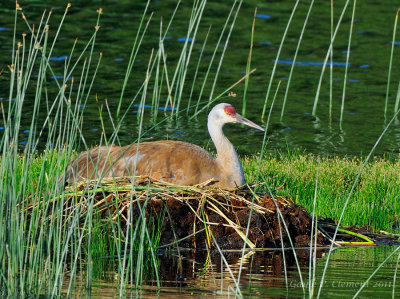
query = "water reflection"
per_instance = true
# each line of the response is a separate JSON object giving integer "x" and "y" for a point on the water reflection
{"x": 202, "y": 273}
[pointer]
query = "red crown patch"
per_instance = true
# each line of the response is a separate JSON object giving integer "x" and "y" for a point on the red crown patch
{"x": 230, "y": 110}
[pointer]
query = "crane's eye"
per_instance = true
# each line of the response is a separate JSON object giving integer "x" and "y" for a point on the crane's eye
{"x": 230, "y": 110}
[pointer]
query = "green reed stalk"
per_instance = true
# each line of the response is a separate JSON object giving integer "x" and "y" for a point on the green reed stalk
{"x": 390, "y": 65}
{"x": 363, "y": 285}
{"x": 313, "y": 253}
{"x": 264, "y": 143}
{"x": 355, "y": 183}
{"x": 331, "y": 69}
{"x": 248, "y": 64}
{"x": 270, "y": 192}
{"x": 13, "y": 220}
{"x": 97, "y": 27}
{"x": 295, "y": 58}
{"x": 278, "y": 210}
{"x": 224, "y": 49}
{"x": 32, "y": 128}
{"x": 155, "y": 101}
{"x": 77, "y": 232}
{"x": 283, "y": 255}
{"x": 25, "y": 254}
{"x": 198, "y": 13}
{"x": 144, "y": 230}
{"x": 214, "y": 55}
{"x": 219, "y": 96}
{"x": 314, "y": 110}
{"x": 197, "y": 70}
{"x": 236, "y": 282}
{"x": 347, "y": 61}
{"x": 397, "y": 100}
{"x": 184, "y": 59}
{"x": 59, "y": 28}
{"x": 164, "y": 57}
{"x": 395, "y": 275}
{"x": 277, "y": 58}
{"x": 146, "y": 83}
{"x": 135, "y": 49}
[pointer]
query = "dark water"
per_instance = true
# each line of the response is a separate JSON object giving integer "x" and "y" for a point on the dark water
{"x": 364, "y": 117}
{"x": 263, "y": 275}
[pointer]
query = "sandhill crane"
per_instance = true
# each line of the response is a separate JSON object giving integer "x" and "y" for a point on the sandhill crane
{"x": 177, "y": 162}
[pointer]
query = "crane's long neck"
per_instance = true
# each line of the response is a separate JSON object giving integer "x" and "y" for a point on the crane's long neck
{"x": 227, "y": 157}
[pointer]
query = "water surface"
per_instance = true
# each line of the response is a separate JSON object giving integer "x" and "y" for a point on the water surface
{"x": 364, "y": 117}
{"x": 263, "y": 275}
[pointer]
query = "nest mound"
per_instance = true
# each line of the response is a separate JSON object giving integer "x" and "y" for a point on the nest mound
{"x": 200, "y": 216}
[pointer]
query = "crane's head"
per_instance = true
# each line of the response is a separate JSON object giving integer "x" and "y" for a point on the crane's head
{"x": 225, "y": 113}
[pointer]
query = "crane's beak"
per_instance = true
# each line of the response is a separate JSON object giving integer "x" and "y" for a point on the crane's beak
{"x": 240, "y": 119}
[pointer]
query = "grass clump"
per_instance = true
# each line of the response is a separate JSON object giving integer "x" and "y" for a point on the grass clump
{"x": 374, "y": 201}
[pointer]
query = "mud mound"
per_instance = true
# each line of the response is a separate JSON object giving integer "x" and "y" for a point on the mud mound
{"x": 200, "y": 216}
{"x": 228, "y": 222}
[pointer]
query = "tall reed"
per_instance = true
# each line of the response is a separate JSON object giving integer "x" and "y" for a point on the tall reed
{"x": 53, "y": 248}
{"x": 347, "y": 62}
{"x": 339, "y": 22}
{"x": 391, "y": 62}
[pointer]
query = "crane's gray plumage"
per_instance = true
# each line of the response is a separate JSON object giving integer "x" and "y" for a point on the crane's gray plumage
{"x": 177, "y": 162}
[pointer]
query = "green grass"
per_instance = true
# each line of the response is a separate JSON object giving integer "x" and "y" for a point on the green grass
{"x": 374, "y": 201}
